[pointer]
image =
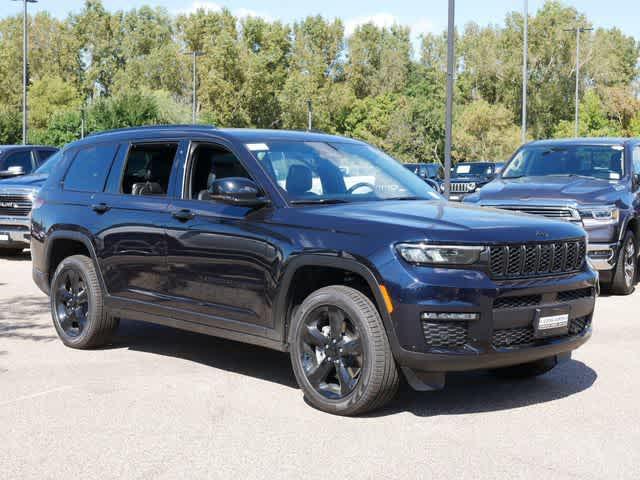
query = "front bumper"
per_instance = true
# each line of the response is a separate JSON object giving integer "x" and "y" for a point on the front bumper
{"x": 14, "y": 232}
{"x": 503, "y": 333}
{"x": 603, "y": 255}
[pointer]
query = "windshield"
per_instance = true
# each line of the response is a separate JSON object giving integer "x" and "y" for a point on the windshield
{"x": 323, "y": 172}
{"x": 45, "y": 168}
{"x": 597, "y": 161}
{"x": 472, "y": 170}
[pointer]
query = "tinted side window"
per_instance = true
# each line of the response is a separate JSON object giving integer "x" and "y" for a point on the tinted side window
{"x": 148, "y": 169}
{"x": 45, "y": 154}
{"x": 89, "y": 169}
{"x": 18, "y": 159}
{"x": 636, "y": 160}
{"x": 211, "y": 163}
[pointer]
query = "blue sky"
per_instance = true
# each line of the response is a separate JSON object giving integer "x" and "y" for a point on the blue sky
{"x": 422, "y": 16}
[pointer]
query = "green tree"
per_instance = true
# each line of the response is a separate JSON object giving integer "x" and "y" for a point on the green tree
{"x": 484, "y": 131}
{"x": 593, "y": 120}
{"x": 51, "y": 94}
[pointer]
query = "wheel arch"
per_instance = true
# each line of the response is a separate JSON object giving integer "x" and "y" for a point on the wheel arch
{"x": 286, "y": 291}
{"x": 62, "y": 244}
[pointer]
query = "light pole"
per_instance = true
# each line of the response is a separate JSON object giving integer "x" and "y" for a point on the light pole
{"x": 449, "y": 103}
{"x": 194, "y": 54}
{"x": 578, "y": 31}
{"x": 525, "y": 74}
{"x": 25, "y": 67}
{"x": 309, "y": 115}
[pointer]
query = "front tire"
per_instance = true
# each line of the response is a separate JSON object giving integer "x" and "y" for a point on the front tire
{"x": 77, "y": 306}
{"x": 340, "y": 352}
{"x": 527, "y": 370}
{"x": 625, "y": 272}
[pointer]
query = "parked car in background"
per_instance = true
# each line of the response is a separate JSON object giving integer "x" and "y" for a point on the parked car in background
{"x": 431, "y": 173}
{"x": 16, "y": 197}
{"x": 16, "y": 160}
{"x": 468, "y": 177}
{"x": 314, "y": 244}
{"x": 593, "y": 182}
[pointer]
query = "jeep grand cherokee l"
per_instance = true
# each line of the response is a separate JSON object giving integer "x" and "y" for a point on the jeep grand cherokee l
{"x": 593, "y": 182}
{"x": 313, "y": 244}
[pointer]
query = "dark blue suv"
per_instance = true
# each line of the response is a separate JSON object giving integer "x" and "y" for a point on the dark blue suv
{"x": 317, "y": 245}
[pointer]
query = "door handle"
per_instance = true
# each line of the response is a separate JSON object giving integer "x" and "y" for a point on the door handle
{"x": 183, "y": 215}
{"x": 100, "y": 207}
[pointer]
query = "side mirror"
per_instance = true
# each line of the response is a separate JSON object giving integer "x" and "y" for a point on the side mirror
{"x": 636, "y": 180}
{"x": 237, "y": 191}
{"x": 12, "y": 172}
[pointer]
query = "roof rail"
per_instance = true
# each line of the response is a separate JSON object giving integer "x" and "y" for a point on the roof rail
{"x": 153, "y": 127}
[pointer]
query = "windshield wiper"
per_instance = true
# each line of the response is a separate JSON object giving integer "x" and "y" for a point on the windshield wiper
{"x": 318, "y": 201}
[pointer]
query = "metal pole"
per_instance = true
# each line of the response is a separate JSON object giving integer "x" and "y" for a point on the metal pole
{"x": 525, "y": 74}
{"x": 25, "y": 60}
{"x": 577, "y": 119}
{"x": 449, "y": 103}
{"x": 193, "y": 118}
{"x": 309, "y": 115}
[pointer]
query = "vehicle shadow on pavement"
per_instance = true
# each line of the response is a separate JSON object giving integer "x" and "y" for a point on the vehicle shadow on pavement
{"x": 464, "y": 393}
{"x": 477, "y": 392}
{"x": 25, "y": 255}
{"x": 214, "y": 352}
{"x": 26, "y": 318}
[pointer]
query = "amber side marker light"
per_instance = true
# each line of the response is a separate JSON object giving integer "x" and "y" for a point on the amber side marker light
{"x": 387, "y": 298}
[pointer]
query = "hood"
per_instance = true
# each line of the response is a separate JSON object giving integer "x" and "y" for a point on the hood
{"x": 550, "y": 190}
{"x": 24, "y": 182}
{"x": 438, "y": 221}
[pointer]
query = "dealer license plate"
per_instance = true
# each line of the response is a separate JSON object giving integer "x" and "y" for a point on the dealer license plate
{"x": 553, "y": 322}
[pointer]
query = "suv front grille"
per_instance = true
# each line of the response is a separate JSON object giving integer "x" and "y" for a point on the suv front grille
{"x": 534, "y": 260}
{"x": 14, "y": 205}
{"x": 462, "y": 187}
{"x": 562, "y": 213}
{"x": 445, "y": 334}
{"x": 511, "y": 337}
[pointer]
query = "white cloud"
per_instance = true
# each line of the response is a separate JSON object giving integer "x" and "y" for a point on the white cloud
{"x": 247, "y": 12}
{"x": 200, "y": 5}
{"x": 378, "y": 19}
{"x": 216, "y": 7}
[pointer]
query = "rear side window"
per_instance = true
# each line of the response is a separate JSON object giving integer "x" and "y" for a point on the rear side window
{"x": 45, "y": 154}
{"x": 89, "y": 169}
{"x": 148, "y": 169}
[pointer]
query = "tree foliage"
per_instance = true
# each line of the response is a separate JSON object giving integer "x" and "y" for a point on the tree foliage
{"x": 110, "y": 69}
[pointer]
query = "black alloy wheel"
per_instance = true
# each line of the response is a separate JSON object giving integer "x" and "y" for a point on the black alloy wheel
{"x": 331, "y": 352}
{"x": 72, "y": 303}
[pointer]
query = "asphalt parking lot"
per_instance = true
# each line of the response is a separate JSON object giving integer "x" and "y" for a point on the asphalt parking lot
{"x": 161, "y": 403}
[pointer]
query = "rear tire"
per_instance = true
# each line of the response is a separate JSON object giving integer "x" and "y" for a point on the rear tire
{"x": 77, "y": 306}
{"x": 527, "y": 370}
{"x": 340, "y": 352}
{"x": 625, "y": 271}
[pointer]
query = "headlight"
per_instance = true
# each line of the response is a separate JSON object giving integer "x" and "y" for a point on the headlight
{"x": 425, "y": 254}
{"x": 600, "y": 214}
{"x": 471, "y": 186}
